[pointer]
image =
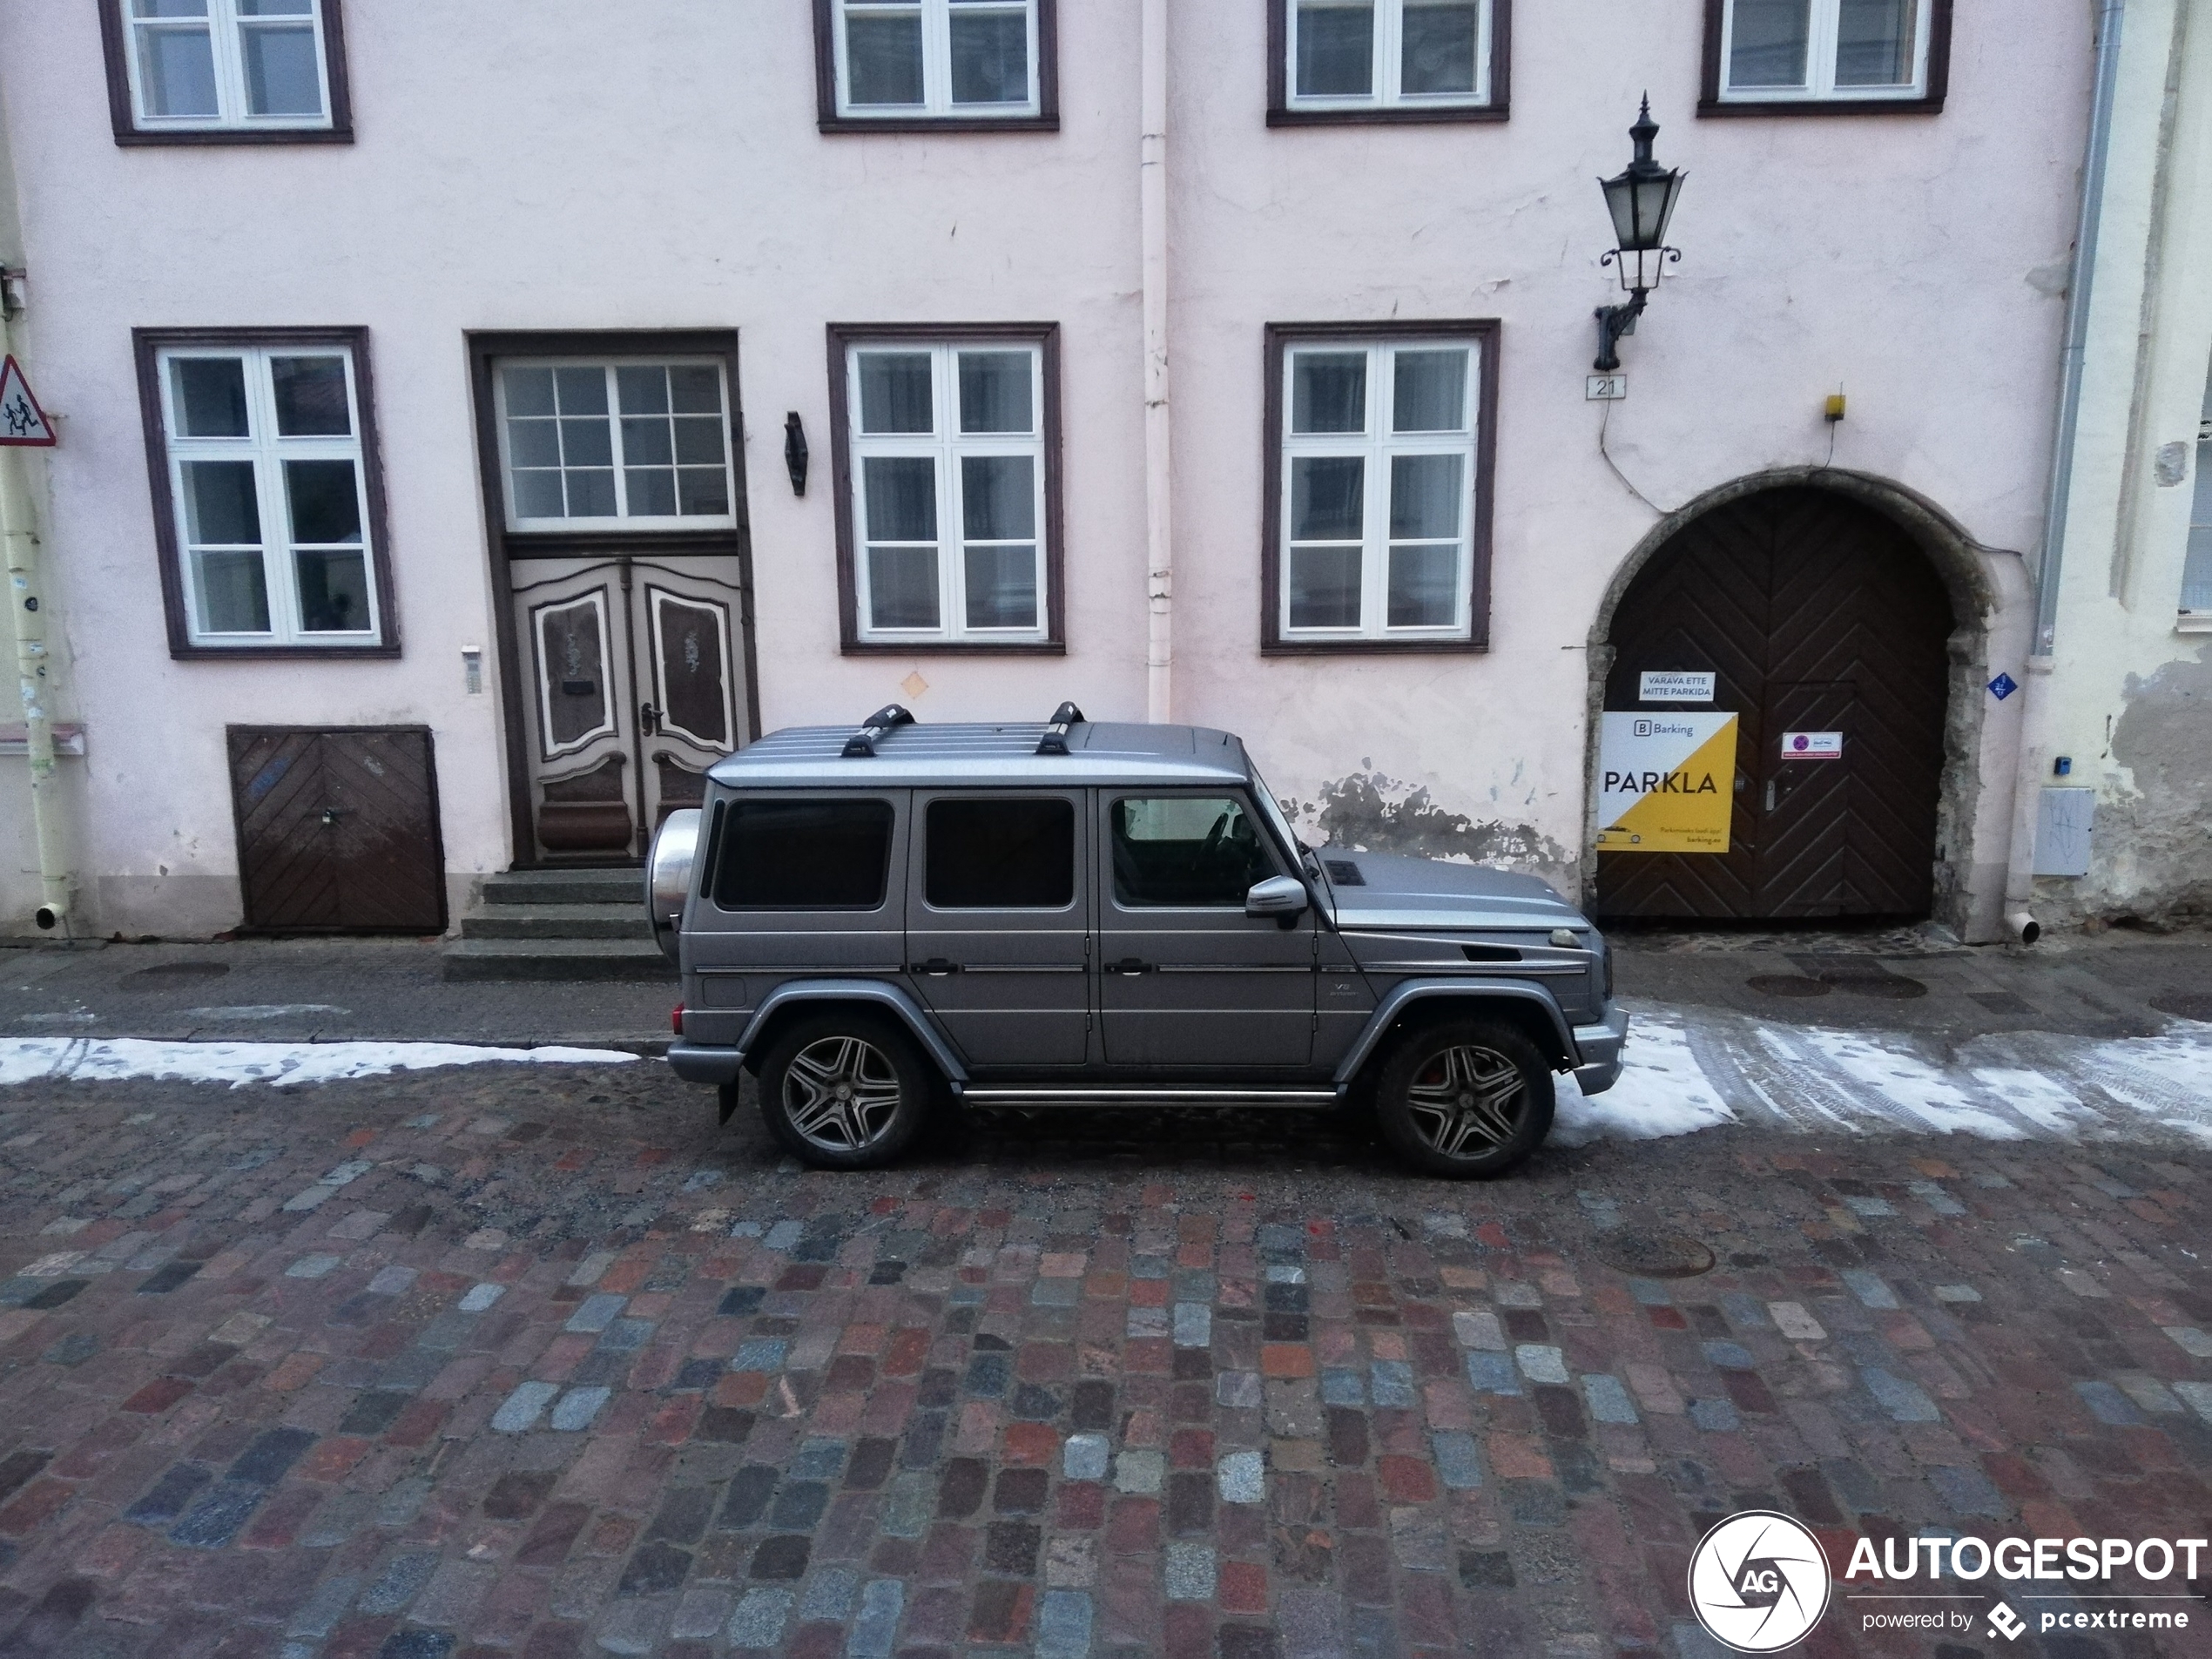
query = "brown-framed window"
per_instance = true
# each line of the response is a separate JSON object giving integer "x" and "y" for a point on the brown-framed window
{"x": 1376, "y": 528}
{"x": 1825, "y": 57}
{"x": 226, "y": 72}
{"x": 945, "y": 440}
{"x": 268, "y": 496}
{"x": 937, "y": 66}
{"x": 1332, "y": 61}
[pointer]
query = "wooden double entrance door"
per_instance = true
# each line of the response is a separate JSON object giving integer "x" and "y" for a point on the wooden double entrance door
{"x": 633, "y": 685}
{"x": 1816, "y": 616}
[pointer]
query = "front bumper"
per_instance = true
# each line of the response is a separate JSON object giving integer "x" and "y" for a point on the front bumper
{"x": 1600, "y": 1047}
{"x": 697, "y": 1062}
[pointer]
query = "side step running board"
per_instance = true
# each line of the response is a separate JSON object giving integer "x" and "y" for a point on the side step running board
{"x": 1323, "y": 1096}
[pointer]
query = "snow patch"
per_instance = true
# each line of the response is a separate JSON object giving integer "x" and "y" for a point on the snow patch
{"x": 1662, "y": 1092}
{"x": 25, "y": 1060}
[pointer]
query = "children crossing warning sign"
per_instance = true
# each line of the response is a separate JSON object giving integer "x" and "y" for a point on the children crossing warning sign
{"x": 21, "y": 421}
{"x": 1666, "y": 782}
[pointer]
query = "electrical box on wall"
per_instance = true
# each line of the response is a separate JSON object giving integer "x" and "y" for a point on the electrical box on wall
{"x": 2063, "y": 821}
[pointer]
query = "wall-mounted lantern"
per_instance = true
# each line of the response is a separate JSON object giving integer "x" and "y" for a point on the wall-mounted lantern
{"x": 1642, "y": 200}
{"x": 795, "y": 452}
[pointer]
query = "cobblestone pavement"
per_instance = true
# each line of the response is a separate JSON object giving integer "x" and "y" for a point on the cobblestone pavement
{"x": 538, "y": 1362}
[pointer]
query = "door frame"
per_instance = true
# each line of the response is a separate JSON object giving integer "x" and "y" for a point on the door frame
{"x": 246, "y": 924}
{"x": 1969, "y": 573}
{"x": 504, "y": 546}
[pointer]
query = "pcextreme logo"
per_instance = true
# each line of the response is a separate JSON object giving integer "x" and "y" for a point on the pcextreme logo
{"x": 1758, "y": 1582}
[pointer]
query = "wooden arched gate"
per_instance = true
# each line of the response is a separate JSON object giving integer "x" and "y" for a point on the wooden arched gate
{"x": 1814, "y": 614}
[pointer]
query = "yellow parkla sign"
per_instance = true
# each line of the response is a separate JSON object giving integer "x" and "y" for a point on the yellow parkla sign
{"x": 1666, "y": 782}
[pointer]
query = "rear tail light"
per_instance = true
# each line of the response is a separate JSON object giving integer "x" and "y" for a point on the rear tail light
{"x": 676, "y": 1020}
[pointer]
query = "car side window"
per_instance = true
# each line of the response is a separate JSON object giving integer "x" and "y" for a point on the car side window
{"x": 804, "y": 855}
{"x": 1186, "y": 851}
{"x": 998, "y": 854}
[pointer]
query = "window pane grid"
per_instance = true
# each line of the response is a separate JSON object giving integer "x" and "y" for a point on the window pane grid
{"x": 1378, "y": 491}
{"x": 267, "y": 470}
{"x": 949, "y": 519}
{"x": 220, "y": 63}
{"x": 1781, "y": 50}
{"x": 936, "y": 57}
{"x": 2196, "y": 564}
{"x": 1387, "y": 54}
{"x": 641, "y": 444}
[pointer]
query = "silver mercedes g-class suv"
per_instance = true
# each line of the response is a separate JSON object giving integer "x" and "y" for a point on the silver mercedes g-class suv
{"x": 1088, "y": 914}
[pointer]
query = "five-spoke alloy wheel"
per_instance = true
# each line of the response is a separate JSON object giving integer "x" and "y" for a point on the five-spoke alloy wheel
{"x": 1465, "y": 1097}
{"x": 844, "y": 1092}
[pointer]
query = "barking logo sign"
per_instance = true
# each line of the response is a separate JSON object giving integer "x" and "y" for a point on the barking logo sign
{"x": 1758, "y": 1582}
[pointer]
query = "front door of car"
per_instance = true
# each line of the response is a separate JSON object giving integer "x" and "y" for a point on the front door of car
{"x": 1187, "y": 981}
{"x": 998, "y": 923}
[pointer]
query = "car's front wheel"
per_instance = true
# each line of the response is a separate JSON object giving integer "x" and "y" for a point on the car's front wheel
{"x": 844, "y": 1091}
{"x": 1464, "y": 1098}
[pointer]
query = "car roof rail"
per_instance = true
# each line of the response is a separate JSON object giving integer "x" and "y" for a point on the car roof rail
{"x": 1054, "y": 740}
{"x": 862, "y": 744}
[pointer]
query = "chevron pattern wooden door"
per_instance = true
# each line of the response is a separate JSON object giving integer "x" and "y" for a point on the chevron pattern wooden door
{"x": 338, "y": 830}
{"x": 1813, "y": 613}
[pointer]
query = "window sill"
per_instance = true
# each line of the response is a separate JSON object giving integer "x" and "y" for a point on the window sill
{"x": 1370, "y": 647}
{"x": 843, "y": 123}
{"x": 2194, "y": 622}
{"x": 1727, "y": 107}
{"x": 1396, "y": 115}
{"x": 139, "y": 136}
{"x": 954, "y": 648}
{"x": 278, "y": 653}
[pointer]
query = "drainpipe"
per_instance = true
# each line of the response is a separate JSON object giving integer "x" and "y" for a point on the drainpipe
{"x": 1159, "y": 548}
{"x": 19, "y": 534}
{"x": 2035, "y": 715}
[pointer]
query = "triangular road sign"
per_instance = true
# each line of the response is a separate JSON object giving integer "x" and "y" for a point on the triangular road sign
{"x": 21, "y": 421}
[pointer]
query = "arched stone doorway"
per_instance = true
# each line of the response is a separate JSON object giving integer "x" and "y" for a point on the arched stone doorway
{"x": 1824, "y": 602}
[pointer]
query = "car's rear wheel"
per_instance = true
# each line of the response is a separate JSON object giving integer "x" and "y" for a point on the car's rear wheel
{"x": 844, "y": 1091}
{"x": 1465, "y": 1097}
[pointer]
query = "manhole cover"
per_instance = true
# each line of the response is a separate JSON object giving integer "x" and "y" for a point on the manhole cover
{"x": 175, "y": 974}
{"x": 1893, "y": 988}
{"x": 2188, "y": 1005}
{"x": 1644, "y": 1254}
{"x": 1787, "y": 985}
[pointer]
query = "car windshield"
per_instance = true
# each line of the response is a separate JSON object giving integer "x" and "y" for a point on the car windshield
{"x": 1273, "y": 813}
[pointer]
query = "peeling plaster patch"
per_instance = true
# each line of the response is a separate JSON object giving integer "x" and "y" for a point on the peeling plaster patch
{"x": 1370, "y": 813}
{"x": 2153, "y": 845}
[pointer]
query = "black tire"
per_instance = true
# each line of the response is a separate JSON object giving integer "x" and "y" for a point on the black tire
{"x": 1464, "y": 1098}
{"x": 888, "y": 1086}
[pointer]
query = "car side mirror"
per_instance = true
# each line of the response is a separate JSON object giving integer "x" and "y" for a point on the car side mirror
{"x": 1282, "y": 897}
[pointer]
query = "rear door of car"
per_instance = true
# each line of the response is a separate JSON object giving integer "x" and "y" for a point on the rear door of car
{"x": 1187, "y": 981}
{"x": 999, "y": 923}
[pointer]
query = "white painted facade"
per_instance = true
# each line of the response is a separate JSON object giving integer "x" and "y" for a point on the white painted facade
{"x": 2122, "y": 692}
{"x": 663, "y": 170}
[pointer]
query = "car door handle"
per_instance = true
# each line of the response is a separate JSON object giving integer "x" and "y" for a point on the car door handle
{"x": 1130, "y": 966}
{"x": 936, "y": 965}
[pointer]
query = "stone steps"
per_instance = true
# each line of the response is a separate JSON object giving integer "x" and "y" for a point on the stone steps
{"x": 558, "y": 925}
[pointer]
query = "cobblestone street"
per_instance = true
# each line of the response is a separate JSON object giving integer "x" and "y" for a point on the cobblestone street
{"x": 537, "y": 1361}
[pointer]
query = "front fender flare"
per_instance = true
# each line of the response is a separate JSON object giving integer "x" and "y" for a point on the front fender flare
{"x": 1405, "y": 994}
{"x": 886, "y": 996}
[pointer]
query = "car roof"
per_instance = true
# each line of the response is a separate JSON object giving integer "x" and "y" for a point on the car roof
{"x": 975, "y": 754}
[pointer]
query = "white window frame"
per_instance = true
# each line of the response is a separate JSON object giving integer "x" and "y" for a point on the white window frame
{"x": 946, "y": 445}
{"x": 268, "y": 451}
{"x": 225, "y": 27}
{"x": 1820, "y": 62}
{"x": 621, "y": 519}
{"x": 1389, "y": 63}
{"x": 2189, "y": 621}
{"x": 1377, "y": 444}
{"x": 937, "y": 62}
